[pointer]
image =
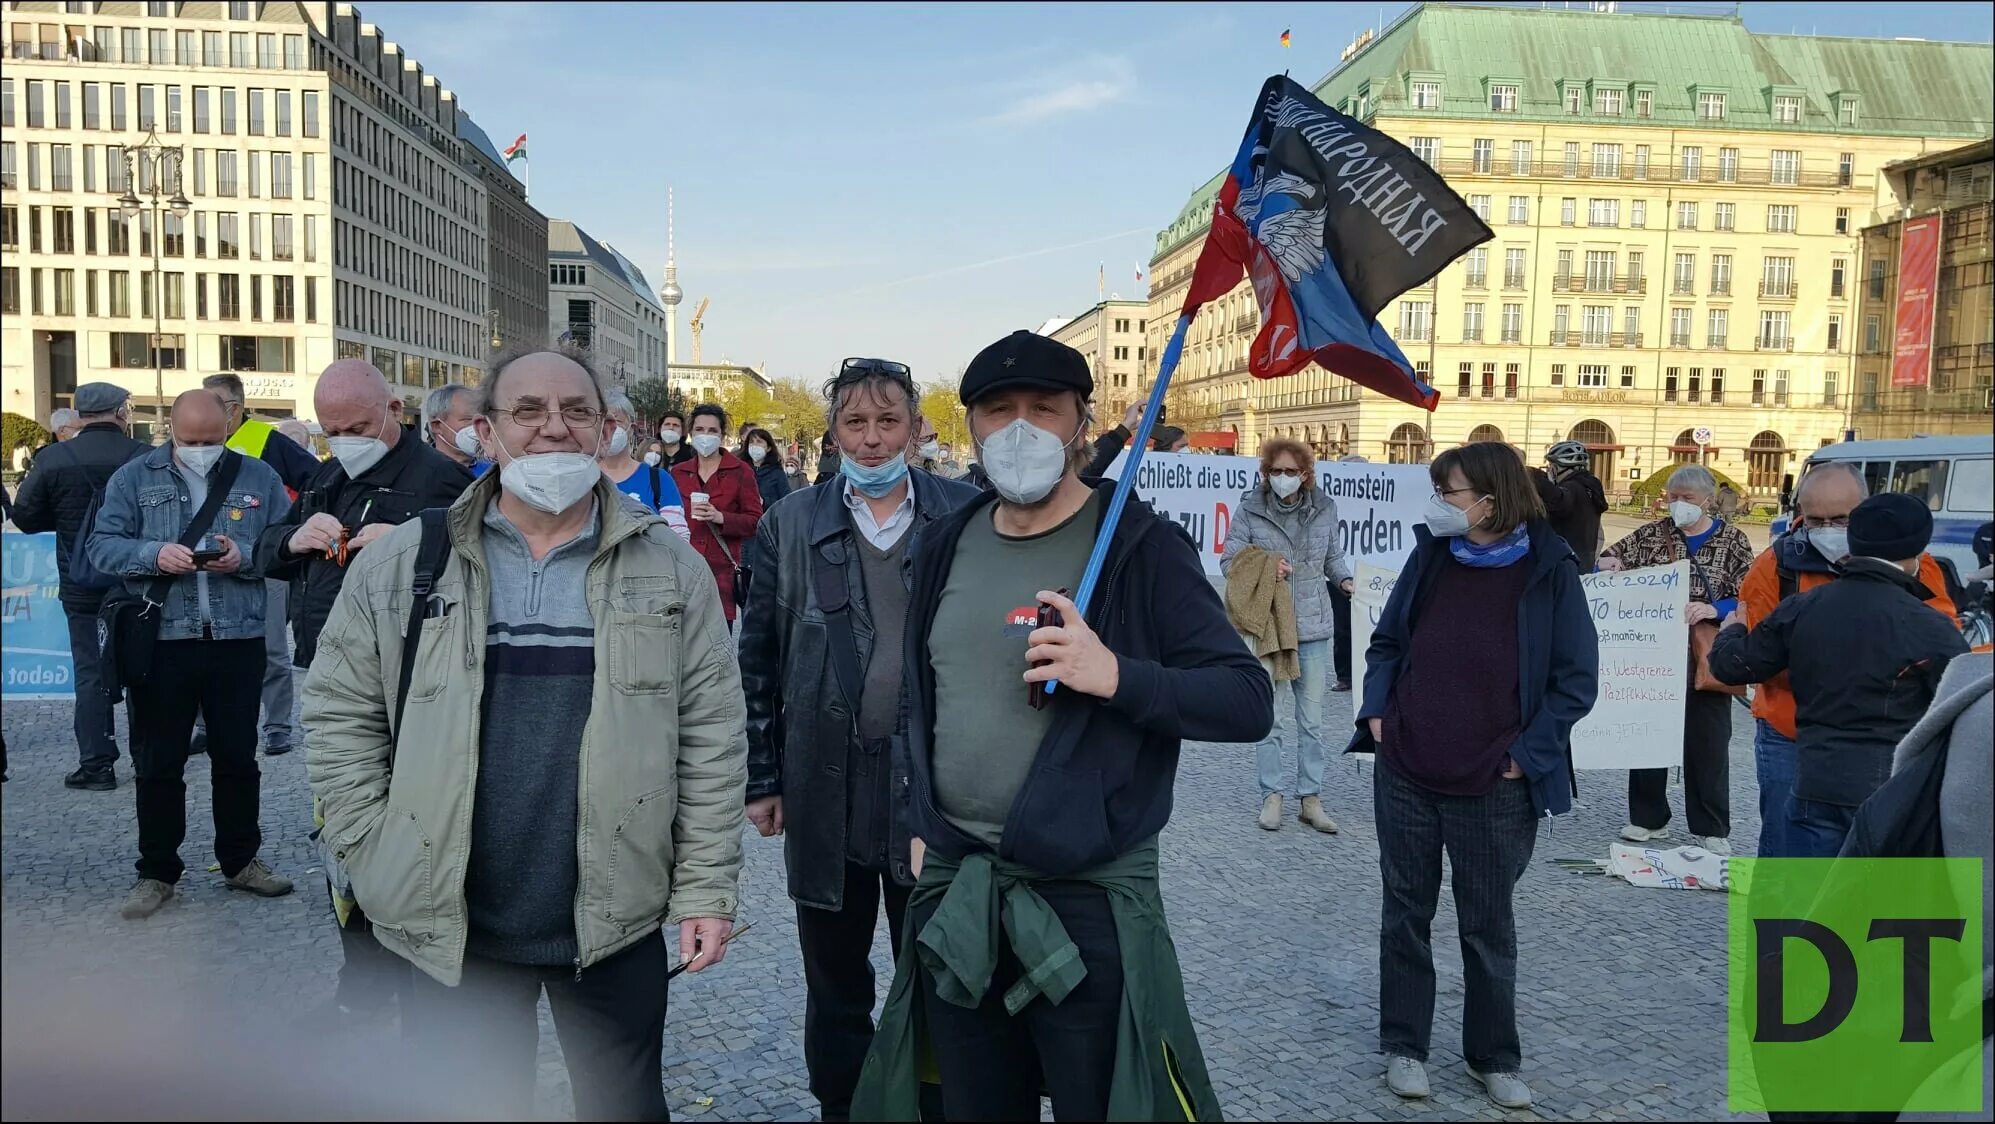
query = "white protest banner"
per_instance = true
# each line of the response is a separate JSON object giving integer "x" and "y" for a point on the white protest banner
{"x": 1377, "y": 504}
{"x": 1637, "y": 717}
{"x": 1637, "y": 721}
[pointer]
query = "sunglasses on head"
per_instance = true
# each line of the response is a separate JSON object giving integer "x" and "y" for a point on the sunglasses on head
{"x": 873, "y": 367}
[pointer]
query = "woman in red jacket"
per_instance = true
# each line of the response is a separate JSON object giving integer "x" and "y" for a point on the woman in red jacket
{"x": 723, "y": 503}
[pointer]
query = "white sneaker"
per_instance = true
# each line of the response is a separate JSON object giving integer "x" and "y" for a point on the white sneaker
{"x": 1406, "y": 1077}
{"x": 1716, "y": 844}
{"x": 1635, "y": 834}
{"x": 1271, "y": 813}
{"x": 1506, "y": 1089}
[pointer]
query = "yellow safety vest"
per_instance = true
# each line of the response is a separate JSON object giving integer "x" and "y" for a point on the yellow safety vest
{"x": 250, "y": 437}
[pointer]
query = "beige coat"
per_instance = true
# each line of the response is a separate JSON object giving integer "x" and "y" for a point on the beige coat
{"x": 1262, "y": 607}
{"x": 663, "y": 751}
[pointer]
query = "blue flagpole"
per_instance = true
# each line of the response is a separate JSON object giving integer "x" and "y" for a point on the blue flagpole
{"x": 1139, "y": 441}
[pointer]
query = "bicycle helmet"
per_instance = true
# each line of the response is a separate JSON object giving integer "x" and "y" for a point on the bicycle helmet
{"x": 1567, "y": 454}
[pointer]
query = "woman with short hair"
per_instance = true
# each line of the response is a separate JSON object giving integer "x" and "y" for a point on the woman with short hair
{"x": 1720, "y": 555}
{"x": 1483, "y": 659}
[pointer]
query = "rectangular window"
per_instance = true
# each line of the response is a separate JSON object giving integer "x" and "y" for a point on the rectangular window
{"x": 1638, "y": 213}
{"x": 1571, "y": 159}
{"x": 118, "y": 107}
{"x": 211, "y": 48}
{"x": 311, "y": 176}
{"x": 202, "y": 96}
{"x": 1520, "y": 209}
{"x": 1774, "y": 332}
{"x": 1645, "y": 103}
{"x": 173, "y": 305}
{"x": 1599, "y": 271}
{"x": 1718, "y": 384}
{"x": 1845, "y": 169}
{"x": 1511, "y": 374}
{"x": 1641, "y": 169}
{"x": 1693, "y": 163}
{"x": 62, "y": 117}
{"x": 1472, "y": 322}
{"x": 1710, "y": 106}
{"x": 173, "y": 117}
{"x": 1485, "y": 155}
{"x": 280, "y": 238}
{"x": 1603, "y": 212}
{"x": 228, "y": 111}
{"x": 1835, "y": 331}
{"x": 1696, "y": 385}
{"x": 239, "y": 50}
{"x": 1873, "y": 335}
{"x": 1636, "y": 282}
{"x": 1489, "y": 380}
{"x": 1426, "y": 148}
{"x": 1631, "y": 326}
{"x": 1476, "y": 268}
{"x": 294, "y": 52}
{"x": 1502, "y": 98}
{"x": 1568, "y": 211}
{"x": 118, "y": 292}
{"x": 1415, "y": 320}
{"x": 1480, "y": 205}
{"x": 34, "y": 94}
{"x": 255, "y": 98}
{"x": 1725, "y": 216}
{"x": 255, "y": 223}
{"x": 228, "y": 296}
{"x": 225, "y": 173}
{"x": 1780, "y": 218}
{"x": 1607, "y": 103}
{"x": 1596, "y": 323}
{"x": 1671, "y": 376}
{"x": 160, "y": 54}
{"x": 266, "y": 52}
{"x": 1728, "y": 165}
{"x": 1721, "y": 275}
{"x": 1513, "y": 323}
{"x": 309, "y": 112}
{"x": 200, "y": 234}
{"x": 283, "y": 300}
{"x": 1464, "y": 379}
{"x": 1593, "y": 376}
{"x": 1777, "y": 277}
{"x": 117, "y": 234}
{"x": 1561, "y": 322}
{"x": 1876, "y": 280}
{"x": 1513, "y": 267}
{"x": 1786, "y": 166}
{"x": 134, "y": 46}
{"x": 184, "y": 52}
{"x": 1830, "y": 395}
{"x": 228, "y": 246}
{"x": 60, "y": 160}
{"x": 148, "y": 107}
{"x": 1759, "y": 387}
{"x": 311, "y": 300}
{"x": 62, "y": 230}
{"x": 1786, "y": 109}
{"x": 1558, "y": 374}
{"x": 1520, "y": 158}
{"x": 1686, "y": 216}
{"x": 1575, "y": 100}
{"x": 1717, "y": 329}
{"x": 1426, "y": 95}
{"x": 280, "y": 175}
{"x": 1684, "y": 276}
{"x": 255, "y": 295}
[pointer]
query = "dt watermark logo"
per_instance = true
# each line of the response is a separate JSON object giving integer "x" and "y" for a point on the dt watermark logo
{"x": 1856, "y": 985}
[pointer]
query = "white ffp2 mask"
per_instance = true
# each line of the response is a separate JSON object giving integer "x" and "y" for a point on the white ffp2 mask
{"x": 1024, "y": 463}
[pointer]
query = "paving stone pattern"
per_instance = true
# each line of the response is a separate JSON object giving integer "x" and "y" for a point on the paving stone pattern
{"x": 1621, "y": 992}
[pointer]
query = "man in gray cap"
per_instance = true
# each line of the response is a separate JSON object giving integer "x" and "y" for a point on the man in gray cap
{"x": 67, "y": 478}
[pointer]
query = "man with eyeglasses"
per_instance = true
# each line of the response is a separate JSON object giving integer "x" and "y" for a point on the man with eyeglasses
{"x": 822, "y": 661}
{"x": 562, "y": 780}
{"x": 1810, "y": 555}
{"x": 379, "y": 476}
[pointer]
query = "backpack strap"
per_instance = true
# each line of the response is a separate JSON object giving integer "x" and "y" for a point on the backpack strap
{"x": 190, "y": 536}
{"x": 432, "y": 559}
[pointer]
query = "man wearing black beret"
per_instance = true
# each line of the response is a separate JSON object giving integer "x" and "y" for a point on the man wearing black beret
{"x": 1863, "y": 655}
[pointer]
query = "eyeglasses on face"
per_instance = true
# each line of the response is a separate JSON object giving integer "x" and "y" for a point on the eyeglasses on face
{"x": 1284, "y": 472}
{"x": 533, "y": 415}
{"x": 1825, "y": 521}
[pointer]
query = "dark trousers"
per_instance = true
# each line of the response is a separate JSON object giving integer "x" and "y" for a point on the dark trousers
{"x": 370, "y": 977}
{"x": 838, "y": 975}
{"x": 993, "y": 1065}
{"x": 1488, "y": 840}
{"x": 96, "y": 731}
{"x": 224, "y": 678}
{"x": 1340, "y": 644}
{"x": 475, "y": 1045}
{"x": 1816, "y": 830}
{"x": 1707, "y": 772}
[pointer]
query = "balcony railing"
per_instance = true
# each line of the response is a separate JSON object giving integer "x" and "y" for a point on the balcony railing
{"x": 1683, "y": 288}
{"x": 1721, "y": 289}
{"x": 1612, "y": 283}
{"x": 1773, "y": 343}
{"x": 1476, "y": 281}
{"x": 1716, "y": 342}
{"x": 1513, "y": 281}
{"x": 1679, "y": 341}
{"x": 1662, "y": 167}
{"x": 1472, "y": 335}
{"x": 1594, "y": 339}
{"x": 1778, "y": 290}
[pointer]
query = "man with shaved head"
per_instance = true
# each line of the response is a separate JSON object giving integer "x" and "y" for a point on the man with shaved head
{"x": 176, "y": 524}
{"x": 1808, "y": 556}
{"x": 379, "y": 476}
{"x": 567, "y": 765}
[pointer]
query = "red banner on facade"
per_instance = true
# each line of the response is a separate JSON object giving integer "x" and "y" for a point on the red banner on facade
{"x": 1918, "y": 291}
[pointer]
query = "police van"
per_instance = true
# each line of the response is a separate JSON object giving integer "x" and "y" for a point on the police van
{"x": 1954, "y": 475}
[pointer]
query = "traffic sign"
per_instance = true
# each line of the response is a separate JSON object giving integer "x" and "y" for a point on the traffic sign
{"x": 1702, "y": 435}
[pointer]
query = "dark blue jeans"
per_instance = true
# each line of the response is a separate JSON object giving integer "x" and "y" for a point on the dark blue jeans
{"x": 96, "y": 736}
{"x": 1773, "y": 757}
{"x": 1817, "y": 830}
{"x": 1488, "y": 840}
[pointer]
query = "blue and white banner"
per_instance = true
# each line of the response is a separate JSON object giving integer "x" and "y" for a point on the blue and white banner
{"x": 34, "y": 634}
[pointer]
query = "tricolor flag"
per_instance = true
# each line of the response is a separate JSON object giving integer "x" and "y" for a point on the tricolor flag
{"x": 1139, "y": 275}
{"x": 1331, "y": 220}
{"x": 1285, "y": 37}
{"x": 516, "y": 150}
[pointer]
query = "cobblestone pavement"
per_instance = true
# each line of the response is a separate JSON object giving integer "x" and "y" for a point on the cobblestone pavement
{"x": 1621, "y": 995}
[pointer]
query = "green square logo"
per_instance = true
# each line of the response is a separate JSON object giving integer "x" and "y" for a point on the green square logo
{"x": 1856, "y": 985}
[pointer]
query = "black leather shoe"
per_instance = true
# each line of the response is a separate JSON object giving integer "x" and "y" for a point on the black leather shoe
{"x": 277, "y": 750}
{"x": 92, "y": 780}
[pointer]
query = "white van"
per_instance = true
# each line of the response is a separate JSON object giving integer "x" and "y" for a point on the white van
{"x": 1954, "y": 475}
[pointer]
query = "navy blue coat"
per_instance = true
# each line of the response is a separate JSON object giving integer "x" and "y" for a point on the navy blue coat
{"x": 1558, "y": 673}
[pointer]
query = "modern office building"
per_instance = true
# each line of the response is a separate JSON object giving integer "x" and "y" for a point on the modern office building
{"x": 1942, "y": 380}
{"x": 311, "y": 200}
{"x": 598, "y": 300}
{"x": 1110, "y": 334}
{"x": 1677, "y": 205}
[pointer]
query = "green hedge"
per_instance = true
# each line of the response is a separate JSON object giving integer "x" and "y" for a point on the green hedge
{"x": 17, "y": 432}
{"x": 1648, "y": 491}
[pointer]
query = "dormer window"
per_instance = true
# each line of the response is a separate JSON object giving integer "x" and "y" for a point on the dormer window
{"x": 1846, "y": 110}
{"x": 1645, "y": 103}
{"x": 1786, "y": 109}
{"x": 1607, "y": 102}
{"x": 1710, "y": 105}
{"x": 1503, "y": 97}
{"x": 1426, "y": 95}
{"x": 1575, "y": 99}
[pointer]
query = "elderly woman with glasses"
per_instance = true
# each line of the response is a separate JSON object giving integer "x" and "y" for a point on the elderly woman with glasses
{"x": 1719, "y": 556}
{"x": 1287, "y": 517}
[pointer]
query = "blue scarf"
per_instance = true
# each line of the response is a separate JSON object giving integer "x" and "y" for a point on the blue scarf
{"x": 1503, "y": 552}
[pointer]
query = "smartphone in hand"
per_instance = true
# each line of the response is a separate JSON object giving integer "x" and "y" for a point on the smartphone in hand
{"x": 208, "y": 551}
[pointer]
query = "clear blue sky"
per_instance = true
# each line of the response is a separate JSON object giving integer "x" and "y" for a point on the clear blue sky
{"x": 903, "y": 181}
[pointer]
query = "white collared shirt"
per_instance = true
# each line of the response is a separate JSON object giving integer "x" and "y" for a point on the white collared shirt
{"x": 883, "y": 536}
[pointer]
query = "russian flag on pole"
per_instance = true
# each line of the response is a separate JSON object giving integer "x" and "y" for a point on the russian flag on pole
{"x": 1331, "y": 219}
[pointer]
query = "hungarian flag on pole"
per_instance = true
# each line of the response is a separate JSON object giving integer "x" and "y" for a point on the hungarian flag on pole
{"x": 1331, "y": 219}
{"x": 516, "y": 150}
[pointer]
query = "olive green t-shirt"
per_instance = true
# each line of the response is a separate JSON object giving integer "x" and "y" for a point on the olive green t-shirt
{"x": 986, "y": 734}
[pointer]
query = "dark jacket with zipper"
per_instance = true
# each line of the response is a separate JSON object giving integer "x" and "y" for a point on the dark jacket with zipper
{"x": 802, "y": 730}
{"x": 59, "y": 488}
{"x": 1558, "y": 673}
{"x": 1574, "y": 505}
{"x": 1101, "y": 781}
{"x": 1864, "y": 655}
{"x": 411, "y": 477}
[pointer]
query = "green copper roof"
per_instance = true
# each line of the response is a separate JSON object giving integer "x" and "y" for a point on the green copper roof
{"x": 1928, "y": 89}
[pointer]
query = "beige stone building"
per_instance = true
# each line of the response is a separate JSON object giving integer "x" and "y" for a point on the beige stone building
{"x": 330, "y": 208}
{"x": 710, "y": 382}
{"x": 1677, "y": 205}
{"x": 1112, "y": 336}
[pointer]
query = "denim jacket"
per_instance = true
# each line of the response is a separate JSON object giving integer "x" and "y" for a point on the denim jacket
{"x": 147, "y": 505}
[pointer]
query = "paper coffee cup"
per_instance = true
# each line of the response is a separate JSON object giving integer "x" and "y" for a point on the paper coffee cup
{"x": 700, "y": 497}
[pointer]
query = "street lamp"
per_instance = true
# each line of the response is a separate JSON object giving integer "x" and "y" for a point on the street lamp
{"x": 158, "y": 160}
{"x": 492, "y": 321}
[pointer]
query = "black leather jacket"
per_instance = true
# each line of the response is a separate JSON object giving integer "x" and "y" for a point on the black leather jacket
{"x": 59, "y": 488}
{"x": 801, "y": 728}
